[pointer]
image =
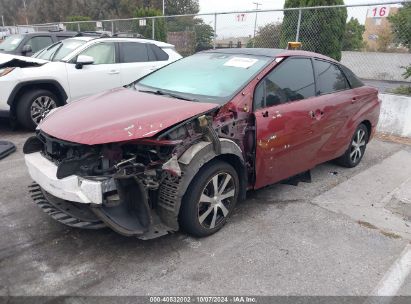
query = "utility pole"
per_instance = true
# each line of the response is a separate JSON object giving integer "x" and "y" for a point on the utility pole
{"x": 255, "y": 23}
{"x": 2, "y": 20}
{"x": 25, "y": 11}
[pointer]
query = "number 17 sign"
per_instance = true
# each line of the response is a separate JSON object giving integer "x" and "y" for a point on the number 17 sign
{"x": 378, "y": 11}
{"x": 241, "y": 17}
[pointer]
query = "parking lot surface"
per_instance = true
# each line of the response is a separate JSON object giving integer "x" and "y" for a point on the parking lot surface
{"x": 339, "y": 235}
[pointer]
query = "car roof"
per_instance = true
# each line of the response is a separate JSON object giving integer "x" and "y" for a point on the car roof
{"x": 117, "y": 39}
{"x": 63, "y": 33}
{"x": 272, "y": 53}
{"x": 82, "y": 38}
{"x": 248, "y": 51}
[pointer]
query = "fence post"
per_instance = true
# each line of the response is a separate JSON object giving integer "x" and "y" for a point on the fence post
{"x": 112, "y": 27}
{"x": 153, "y": 28}
{"x": 78, "y": 27}
{"x": 297, "y": 35}
{"x": 215, "y": 31}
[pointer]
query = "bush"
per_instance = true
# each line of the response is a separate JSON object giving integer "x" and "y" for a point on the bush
{"x": 402, "y": 90}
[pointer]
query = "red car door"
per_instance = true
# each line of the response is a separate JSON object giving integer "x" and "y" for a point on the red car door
{"x": 289, "y": 121}
{"x": 340, "y": 105}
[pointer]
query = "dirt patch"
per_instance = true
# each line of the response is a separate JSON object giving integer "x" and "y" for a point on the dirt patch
{"x": 393, "y": 138}
{"x": 386, "y": 233}
{"x": 390, "y": 234}
{"x": 367, "y": 225}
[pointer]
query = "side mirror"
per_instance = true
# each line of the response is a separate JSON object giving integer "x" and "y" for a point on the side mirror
{"x": 26, "y": 49}
{"x": 83, "y": 60}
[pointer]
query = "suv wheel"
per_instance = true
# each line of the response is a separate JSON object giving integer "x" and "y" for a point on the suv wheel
{"x": 354, "y": 154}
{"x": 209, "y": 199}
{"x": 33, "y": 107}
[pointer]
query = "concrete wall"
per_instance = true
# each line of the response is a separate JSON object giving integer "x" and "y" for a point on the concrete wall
{"x": 395, "y": 117}
{"x": 379, "y": 66}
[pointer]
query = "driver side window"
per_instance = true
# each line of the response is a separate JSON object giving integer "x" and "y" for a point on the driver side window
{"x": 103, "y": 53}
{"x": 292, "y": 80}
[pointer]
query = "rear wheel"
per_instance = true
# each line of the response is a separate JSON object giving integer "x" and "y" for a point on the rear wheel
{"x": 354, "y": 154}
{"x": 33, "y": 106}
{"x": 210, "y": 199}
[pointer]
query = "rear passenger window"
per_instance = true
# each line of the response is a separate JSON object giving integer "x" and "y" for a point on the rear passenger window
{"x": 39, "y": 43}
{"x": 330, "y": 77}
{"x": 352, "y": 79}
{"x": 159, "y": 54}
{"x": 292, "y": 80}
{"x": 134, "y": 52}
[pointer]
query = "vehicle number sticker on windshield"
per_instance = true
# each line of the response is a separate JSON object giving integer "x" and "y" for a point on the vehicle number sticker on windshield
{"x": 241, "y": 62}
{"x": 71, "y": 46}
{"x": 15, "y": 41}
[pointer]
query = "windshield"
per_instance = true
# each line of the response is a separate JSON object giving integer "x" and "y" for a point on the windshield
{"x": 213, "y": 76}
{"x": 59, "y": 50}
{"x": 11, "y": 43}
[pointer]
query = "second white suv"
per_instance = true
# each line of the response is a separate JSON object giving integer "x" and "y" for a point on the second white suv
{"x": 74, "y": 68}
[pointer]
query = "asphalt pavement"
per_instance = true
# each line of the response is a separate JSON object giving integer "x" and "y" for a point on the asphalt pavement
{"x": 327, "y": 237}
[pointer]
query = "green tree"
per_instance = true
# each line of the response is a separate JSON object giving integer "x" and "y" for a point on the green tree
{"x": 267, "y": 36}
{"x": 82, "y": 26}
{"x": 407, "y": 73}
{"x": 182, "y": 7}
{"x": 321, "y": 30}
{"x": 401, "y": 25}
{"x": 204, "y": 35}
{"x": 353, "y": 40}
{"x": 160, "y": 32}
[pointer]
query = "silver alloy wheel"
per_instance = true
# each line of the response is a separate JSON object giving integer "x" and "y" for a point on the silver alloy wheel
{"x": 216, "y": 200}
{"x": 40, "y": 107}
{"x": 357, "y": 146}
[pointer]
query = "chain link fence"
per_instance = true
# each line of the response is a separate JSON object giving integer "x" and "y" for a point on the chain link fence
{"x": 371, "y": 39}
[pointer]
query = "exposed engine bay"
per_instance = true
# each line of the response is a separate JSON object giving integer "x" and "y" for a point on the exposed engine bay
{"x": 142, "y": 181}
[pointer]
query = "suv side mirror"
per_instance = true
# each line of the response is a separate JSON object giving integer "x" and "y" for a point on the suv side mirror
{"x": 26, "y": 49}
{"x": 83, "y": 60}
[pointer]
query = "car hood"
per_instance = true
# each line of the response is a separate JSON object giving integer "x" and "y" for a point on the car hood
{"x": 8, "y": 60}
{"x": 119, "y": 115}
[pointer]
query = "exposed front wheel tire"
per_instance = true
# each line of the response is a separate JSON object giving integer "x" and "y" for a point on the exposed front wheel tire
{"x": 210, "y": 199}
{"x": 354, "y": 154}
{"x": 33, "y": 106}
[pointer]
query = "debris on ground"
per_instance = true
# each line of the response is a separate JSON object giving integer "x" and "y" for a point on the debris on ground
{"x": 6, "y": 148}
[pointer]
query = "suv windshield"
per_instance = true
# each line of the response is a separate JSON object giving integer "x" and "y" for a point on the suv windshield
{"x": 11, "y": 43}
{"x": 214, "y": 76}
{"x": 59, "y": 50}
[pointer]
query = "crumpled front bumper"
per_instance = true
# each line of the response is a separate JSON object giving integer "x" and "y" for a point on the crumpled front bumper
{"x": 72, "y": 188}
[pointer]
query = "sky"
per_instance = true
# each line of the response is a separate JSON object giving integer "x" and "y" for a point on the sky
{"x": 230, "y": 26}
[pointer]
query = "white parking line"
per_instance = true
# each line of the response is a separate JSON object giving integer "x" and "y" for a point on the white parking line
{"x": 396, "y": 275}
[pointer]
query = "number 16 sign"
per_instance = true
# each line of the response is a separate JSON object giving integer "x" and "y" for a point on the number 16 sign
{"x": 378, "y": 11}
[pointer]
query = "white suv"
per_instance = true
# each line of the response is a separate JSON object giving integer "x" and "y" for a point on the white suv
{"x": 74, "y": 68}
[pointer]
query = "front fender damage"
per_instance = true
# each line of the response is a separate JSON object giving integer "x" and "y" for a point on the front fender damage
{"x": 150, "y": 175}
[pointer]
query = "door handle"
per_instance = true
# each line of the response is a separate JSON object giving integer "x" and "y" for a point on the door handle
{"x": 265, "y": 114}
{"x": 114, "y": 72}
{"x": 354, "y": 100}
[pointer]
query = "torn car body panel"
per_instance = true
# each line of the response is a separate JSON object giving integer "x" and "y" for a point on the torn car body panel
{"x": 10, "y": 61}
{"x": 119, "y": 115}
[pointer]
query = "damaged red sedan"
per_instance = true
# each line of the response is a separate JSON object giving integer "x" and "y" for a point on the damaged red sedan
{"x": 179, "y": 147}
